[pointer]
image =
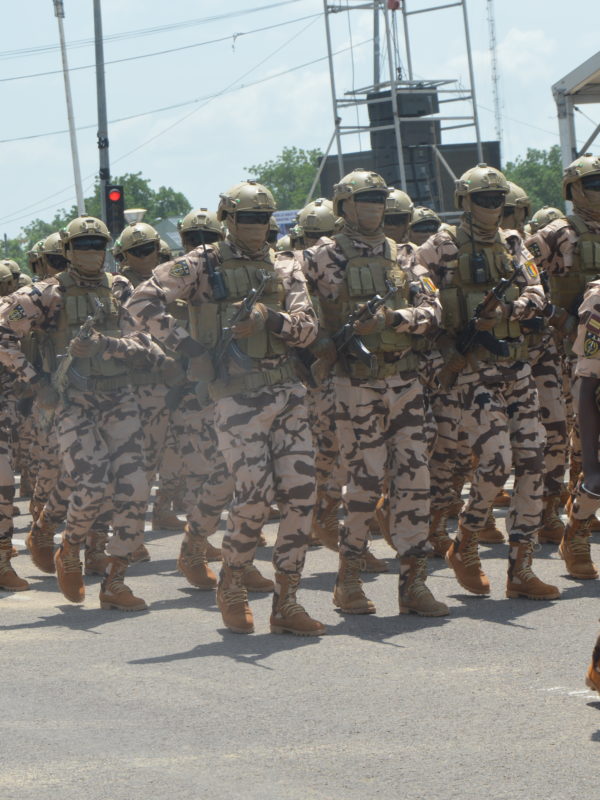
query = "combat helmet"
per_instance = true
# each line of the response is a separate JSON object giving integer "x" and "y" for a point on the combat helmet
{"x": 357, "y": 181}
{"x": 52, "y": 253}
{"x": 164, "y": 252}
{"x": 584, "y": 166}
{"x": 137, "y": 233}
{"x": 517, "y": 198}
{"x": 245, "y": 196}
{"x": 544, "y": 216}
{"x": 285, "y": 243}
{"x": 318, "y": 219}
{"x": 83, "y": 226}
{"x": 398, "y": 202}
{"x": 481, "y": 178}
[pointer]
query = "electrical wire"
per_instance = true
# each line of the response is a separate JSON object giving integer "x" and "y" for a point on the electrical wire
{"x": 115, "y": 37}
{"x": 233, "y": 36}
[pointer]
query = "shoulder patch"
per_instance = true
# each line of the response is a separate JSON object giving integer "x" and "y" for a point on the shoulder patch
{"x": 429, "y": 286}
{"x": 591, "y": 342}
{"x": 531, "y": 269}
{"x": 17, "y": 313}
{"x": 180, "y": 269}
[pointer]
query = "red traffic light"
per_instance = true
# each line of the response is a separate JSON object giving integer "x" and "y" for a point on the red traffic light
{"x": 114, "y": 195}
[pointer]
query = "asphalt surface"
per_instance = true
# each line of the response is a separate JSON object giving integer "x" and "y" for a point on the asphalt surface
{"x": 489, "y": 702}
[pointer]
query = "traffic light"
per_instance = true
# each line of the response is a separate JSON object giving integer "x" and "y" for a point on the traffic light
{"x": 115, "y": 207}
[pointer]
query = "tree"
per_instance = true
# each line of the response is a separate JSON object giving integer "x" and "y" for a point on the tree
{"x": 540, "y": 174}
{"x": 289, "y": 176}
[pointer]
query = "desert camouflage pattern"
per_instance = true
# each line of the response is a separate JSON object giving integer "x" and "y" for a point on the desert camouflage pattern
{"x": 320, "y": 402}
{"x": 553, "y": 247}
{"x": 8, "y": 418}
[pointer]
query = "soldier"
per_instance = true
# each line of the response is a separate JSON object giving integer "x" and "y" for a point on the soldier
{"x": 21, "y": 278}
{"x": 543, "y": 217}
{"x": 259, "y": 410}
{"x": 568, "y": 249}
{"x": 379, "y": 404}
{"x": 487, "y": 391}
{"x": 97, "y": 417}
{"x": 274, "y": 232}
{"x": 423, "y": 224}
{"x": 164, "y": 252}
{"x": 517, "y": 209}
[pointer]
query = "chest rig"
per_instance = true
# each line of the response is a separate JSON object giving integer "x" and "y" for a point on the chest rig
{"x": 566, "y": 290}
{"x": 366, "y": 276}
{"x": 471, "y": 282}
{"x": 77, "y": 304}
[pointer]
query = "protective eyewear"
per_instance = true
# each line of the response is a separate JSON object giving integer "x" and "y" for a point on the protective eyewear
{"x": 143, "y": 250}
{"x": 199, "y": 237}
{"x": 426, "y": 226}
{"x": 488, "y": 199}
{"x": 591, "y": 182}
{"x": 371, "y": 197}
{"x": 252, "y": 217}
{"x": 89, "y": 243}
{"x": 56, "y": 261}
{"x": 396, "y": 219}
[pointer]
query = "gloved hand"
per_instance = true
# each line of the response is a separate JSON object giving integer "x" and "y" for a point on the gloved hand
{"x": 255, "y": 323}
{"x": 200, "y": 368}
{"x": 88, "y": 348}
{"x": 173, "y": 372}
{"x": 562, "y": 321}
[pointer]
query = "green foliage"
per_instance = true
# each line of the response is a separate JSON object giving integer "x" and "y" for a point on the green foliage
{"x": 540, "y": 174}
{"x": 289, "y": 176}
{"x": 164, "y": 202}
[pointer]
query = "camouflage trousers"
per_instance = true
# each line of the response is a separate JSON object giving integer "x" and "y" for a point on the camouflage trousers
{"x": 171, "y": 476}
{"x": 208, "y": 483}
{"x": 322, "y": 419}
{"x": 154, "y": 419}
{"x": 7, "y": 479}
{"x": 380, "y": 429}
{"x": 584, "y": 505}
{"x": 101, "y": 447}
{"x": 46, "y": 458}
{"x": 265, "y": 438}
{"x": 547, "y": 374}
{"x": 502, "y": 427}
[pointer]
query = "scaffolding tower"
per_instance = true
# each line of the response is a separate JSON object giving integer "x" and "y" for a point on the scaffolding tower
{"x": 407, "y": 116}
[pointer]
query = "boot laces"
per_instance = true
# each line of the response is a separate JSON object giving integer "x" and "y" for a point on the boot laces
{"x": 580, "y": 544}
{"x": 470, "y": 554}
{"x": 419, "y": 588}
{"x": 289, "y": 606}
{"x": 525, "y": 569}
{"x": 352, "y": 580}
{"x": 236, "y": 592}
{"x": 43, "y": 537}
{"x": 196, "y": 551}
{"x": 71, "y": 562}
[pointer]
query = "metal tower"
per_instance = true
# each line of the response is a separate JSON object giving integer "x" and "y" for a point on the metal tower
{"x": 495, "y": 72}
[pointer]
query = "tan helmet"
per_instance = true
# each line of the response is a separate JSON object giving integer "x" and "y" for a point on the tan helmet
{"x": 23, "y": 279}
{"x": 398, "y": 202}
{"x": 285, "y": 243}
{"x": 517, "y": 198}
{"x": 34, "y": 256}
{"x": 273, "y": 231}
{"x": 422, "y": 213}
{"x": 6, "y": 273}
{"x": 83, "y": 226}
{"x": 52, "y": 244}
{"x": 245, "y": 196}
{"x": 137, "y": 233}
{"x": 317, "y": 218}
{"x": 359, "y": 180}
{"x": 201, "y": 220}
{"x": 52, "y": 253}
{"x": 586, "y": 164}
{"x": 544, "y": 216}
{"x": 12, "y": 266}
{"x": 164, "y": 253}
{"x": 481, "y": 178}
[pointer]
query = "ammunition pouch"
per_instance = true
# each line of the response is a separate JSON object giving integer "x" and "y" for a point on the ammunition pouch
{"x": 241, "y": 384}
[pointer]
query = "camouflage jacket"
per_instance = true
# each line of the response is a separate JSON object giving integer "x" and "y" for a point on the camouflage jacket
{"x": 587, "y": 343}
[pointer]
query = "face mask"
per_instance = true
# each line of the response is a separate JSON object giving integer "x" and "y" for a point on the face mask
{"x": 250, "y": 237}
{"x": 87, "y": 262}
{"x": 7, "y": 287}
{"x": 395, "y": 232}
{"x": 365, "y": 217}
{"x": 484, "y": 219}
{"x": 143, "y": 265}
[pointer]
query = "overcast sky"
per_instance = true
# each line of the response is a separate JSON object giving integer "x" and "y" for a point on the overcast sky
{"x": 202, "y": 146}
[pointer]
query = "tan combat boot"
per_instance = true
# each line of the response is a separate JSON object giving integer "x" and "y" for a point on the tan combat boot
{"x": 254, "y": 581}
{"x": 232, "y": 599}
{"x": 325, "y": 524}
{"x": 213, "y": 553}
{"x": 463, "y": 557}
{"x": 35, "y": 509}
{"x": 40, "y": 543}
{"x": 575, "y": 550}
{"x": 490, "y": 534}
{"x": 552, "y": 529}
{"x": 68, "y": 571}
{"x": 521, "y": 580}
{"x": 502, "y": 499}
{"x": 288, "y": 616}
{"x": 458, "y": 482}
{"x": 114, "y": 593}
{"x": 348, "y": 594}
{"x": 371, "y": 563}
{"x": 163, "y": 518}
{"x": 438, "y": 537}
{"x": 139, "y": 555}
{"x": 9, "y": 580}
{"x": 413, "y": 595}
{"x": 193, "y": 564}
{"x": 592, "y": 678}
{"x": 382, "y": 517}
{"x": 95, "y": 560}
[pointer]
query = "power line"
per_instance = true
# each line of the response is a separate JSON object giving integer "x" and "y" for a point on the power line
{"x": 233, "y": 36}
{"x": 77, "y": 43}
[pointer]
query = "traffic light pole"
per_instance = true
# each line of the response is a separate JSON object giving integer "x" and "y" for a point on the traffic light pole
{"x": 104, "y": 173}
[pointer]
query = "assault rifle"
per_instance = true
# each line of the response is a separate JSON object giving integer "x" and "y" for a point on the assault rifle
{"x": 60, "y": 377}
{"x": 348, "y": 343}
{"x": 471, "y": 337}
{"x": 228, "y": 347}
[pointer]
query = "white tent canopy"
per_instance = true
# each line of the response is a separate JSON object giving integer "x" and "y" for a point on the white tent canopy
{"x": 582, "y": 85}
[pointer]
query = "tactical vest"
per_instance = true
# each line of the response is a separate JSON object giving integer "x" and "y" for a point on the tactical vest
{"x": 460, "y": 300}
{"x": 365, "y": 276}
{"x": 565, "y": 290}
{"x": 207, "y": 321}
{"x": 77, "y": 304}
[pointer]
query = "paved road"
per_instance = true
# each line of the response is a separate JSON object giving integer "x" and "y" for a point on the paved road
{"x": 487, "y": 703}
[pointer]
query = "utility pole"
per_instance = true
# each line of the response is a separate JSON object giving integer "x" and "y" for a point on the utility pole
{"x": 376, "y": 46}
{"x": 104, "y": 172}
{"x": 495, "y": 72}
{"x": 59, "y": 13}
